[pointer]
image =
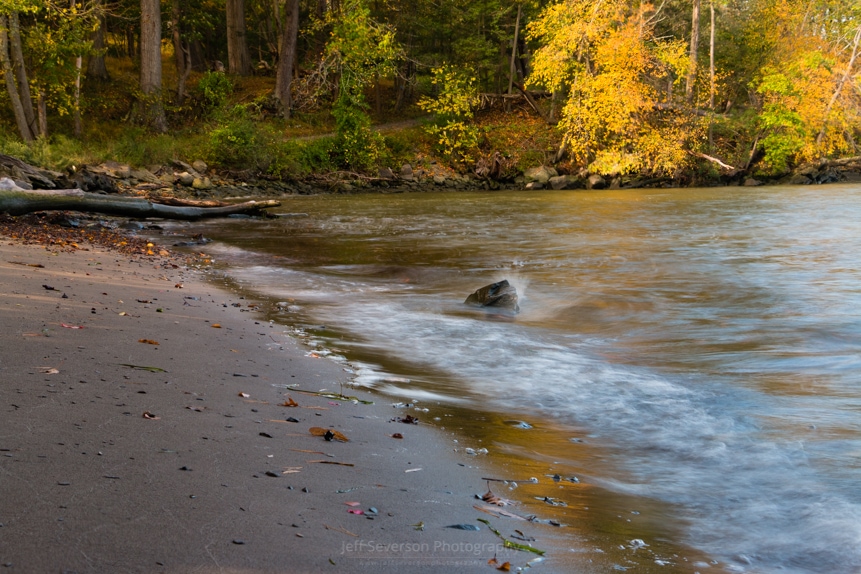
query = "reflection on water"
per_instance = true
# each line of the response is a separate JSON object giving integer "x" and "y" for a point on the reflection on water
{"x": 692, "y": 356}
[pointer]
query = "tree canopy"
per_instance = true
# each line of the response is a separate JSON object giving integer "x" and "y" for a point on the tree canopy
{"x": 628, "y": 86}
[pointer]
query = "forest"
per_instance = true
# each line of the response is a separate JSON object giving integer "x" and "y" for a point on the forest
{"x": 686, "y": 90}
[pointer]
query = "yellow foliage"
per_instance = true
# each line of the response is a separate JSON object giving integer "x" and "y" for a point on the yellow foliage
{"x": 605, "y": 55}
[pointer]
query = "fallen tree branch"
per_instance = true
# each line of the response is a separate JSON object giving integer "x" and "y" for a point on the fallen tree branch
{"x": 726, "y": 166}
{"x": 19, "y": 202}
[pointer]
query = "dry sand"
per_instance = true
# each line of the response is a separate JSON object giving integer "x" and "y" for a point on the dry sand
{"x": 121, "y": 455}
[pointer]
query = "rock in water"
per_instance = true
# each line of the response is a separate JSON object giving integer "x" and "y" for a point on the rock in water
{"x": 501, "y": 295}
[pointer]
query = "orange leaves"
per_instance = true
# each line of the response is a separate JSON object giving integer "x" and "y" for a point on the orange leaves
{"x": 328, "y": 434}
{"x": 148, "y": 341}
{"x": 289, "y": 403}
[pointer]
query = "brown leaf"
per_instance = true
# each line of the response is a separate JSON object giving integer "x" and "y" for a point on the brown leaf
{"x": 289, "y": 403}
{"x": 505, "y": 567}
{"x": 148, "y": 341}
{"x": 397, "y": 435}
{"x": 328, "y": 434}
{"x": 216, "y": 325}
{"x": 491, "y": 498}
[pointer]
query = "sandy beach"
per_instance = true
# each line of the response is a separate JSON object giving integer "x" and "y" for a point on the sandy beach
{"x": 152, "y": 422}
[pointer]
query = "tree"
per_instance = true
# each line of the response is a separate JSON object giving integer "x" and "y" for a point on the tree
{"x": 150, "y": 107}
{"x": 359, "y": 51}
{"x": 287, "y": 57}
{"x": 96, "y": 68}
{"x": 238, "y": 56}
{"x": 26, "y": 127}
{"x": 610, "y": 62}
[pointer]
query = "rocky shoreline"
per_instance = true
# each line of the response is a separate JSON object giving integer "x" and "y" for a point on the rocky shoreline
{"x": 198, "y": 180}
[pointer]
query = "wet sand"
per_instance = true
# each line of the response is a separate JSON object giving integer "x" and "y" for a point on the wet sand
{"x": 142, "y": 430}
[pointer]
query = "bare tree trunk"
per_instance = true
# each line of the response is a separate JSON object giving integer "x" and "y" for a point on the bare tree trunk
{"x": 20, "y": 117}
{"x": 839, "y": 88}
{"x": 42, "y": 113}
{"x": 511, "y": 66}
{"x": 711, "y": 72}
{"x": 96, "y": 68}
{"x": 287, "y": 57}
{"x": 694, "y": 53}
{"x": 17, "y": 54}
{"x": 176, "y": 36}
{"x": 238, "y": 57}
{"x": 151, "y": 109}
{"x": 79, "y": 128}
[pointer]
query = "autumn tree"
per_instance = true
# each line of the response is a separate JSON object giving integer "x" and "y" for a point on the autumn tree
{"x": 617, "y": 118}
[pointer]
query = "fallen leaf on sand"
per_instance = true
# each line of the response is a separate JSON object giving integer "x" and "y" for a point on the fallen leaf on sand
{"x": 491, "y": 498}
{"x": 289, "y": 403}
{"x": 397, "y": 435}
{"x": 150, "y": 416}
{"x": 71, "y": 326}
{"x": 148, "y": 341}
{"x": 216, "y": 325}
{"x": 328, "y": 434}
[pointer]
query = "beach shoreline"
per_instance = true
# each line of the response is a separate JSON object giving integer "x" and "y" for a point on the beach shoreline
{"x": 144, "y": 429}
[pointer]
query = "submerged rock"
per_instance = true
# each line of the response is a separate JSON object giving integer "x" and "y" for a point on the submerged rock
{"x": 500, "y": 295}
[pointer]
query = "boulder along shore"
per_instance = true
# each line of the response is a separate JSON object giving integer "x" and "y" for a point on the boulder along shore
{"x": 154, "y": 422}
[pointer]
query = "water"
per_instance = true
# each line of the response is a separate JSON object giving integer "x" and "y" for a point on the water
{"x": 692, "y": 356}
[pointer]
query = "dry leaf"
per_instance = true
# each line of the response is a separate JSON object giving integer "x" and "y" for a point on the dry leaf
{"x": 505, "y": 567}
{"x": 148, "y": 341}
{"x": 289, "y": 403}
{"x": 491, "y": 498}
{"x": 216, "y": 325}
{"x": 328, "y": 434}
{"x": 397, "y": 435}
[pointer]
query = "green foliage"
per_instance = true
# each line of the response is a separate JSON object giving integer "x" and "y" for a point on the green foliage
{"x": 235, "y": 141}
{"x": 301, "y": 158}
{"x": 215, "y": 88}
{"x": 361, "y": 50}
{"x": 456, "y": 137}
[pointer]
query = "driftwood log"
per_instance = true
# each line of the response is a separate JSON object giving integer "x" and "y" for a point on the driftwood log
{"x": 20, "y": 201}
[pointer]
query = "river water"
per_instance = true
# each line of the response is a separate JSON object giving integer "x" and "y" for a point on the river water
{"x": 692, "y": 357}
